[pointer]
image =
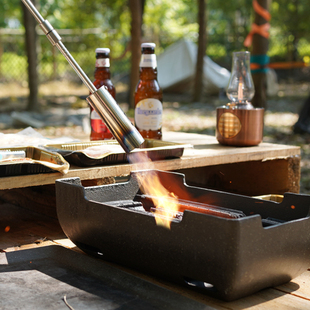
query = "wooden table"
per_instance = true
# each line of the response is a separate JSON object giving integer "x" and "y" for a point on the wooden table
{"x": 264, "y": 169}
{"x": 31, "y": 231}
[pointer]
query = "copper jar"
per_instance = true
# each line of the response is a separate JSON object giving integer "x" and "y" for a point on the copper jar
{"x": 239, "y": 125}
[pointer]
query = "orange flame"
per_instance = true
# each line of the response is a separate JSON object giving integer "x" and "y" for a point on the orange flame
{"x": 166, "y": 203}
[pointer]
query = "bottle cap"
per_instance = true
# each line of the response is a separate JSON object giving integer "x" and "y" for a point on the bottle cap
{"x": 149, "y": 45}
{"x": 104, "y": 50}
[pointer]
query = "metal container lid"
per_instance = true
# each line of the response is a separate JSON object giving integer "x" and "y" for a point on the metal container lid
{"x": 151, "y": 45}
{"x": 102, "y": 50}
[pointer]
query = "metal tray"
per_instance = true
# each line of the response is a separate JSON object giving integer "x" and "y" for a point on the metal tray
{"x": 76, "y": 153}
{"x": 38, "y": 160}
{"x": 39, "y": 278}
{"x": 226, "y": 258}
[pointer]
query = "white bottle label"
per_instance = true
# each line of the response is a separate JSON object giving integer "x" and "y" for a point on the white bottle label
{"x": 103, "y": 62}
{"x": 148, "y": 114}
{"x": 96, "y": 123}
{"x": 148, "y": 60}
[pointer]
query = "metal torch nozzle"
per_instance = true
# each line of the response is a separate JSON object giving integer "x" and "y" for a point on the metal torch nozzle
{"x": 101, "y": 100}
{"x": 121, "y": 128}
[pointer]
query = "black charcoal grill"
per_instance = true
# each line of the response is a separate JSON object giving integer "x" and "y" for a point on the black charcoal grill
{"x": 259, "y": 243}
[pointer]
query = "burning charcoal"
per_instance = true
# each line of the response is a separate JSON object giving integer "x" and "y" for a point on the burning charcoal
{"x": 211, "y": 210}
{"x": 148, "y": 205}
{"x": 164, "y": 213}
{"x": 145, "y": 201}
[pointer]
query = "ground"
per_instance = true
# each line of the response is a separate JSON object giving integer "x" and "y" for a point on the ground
{"x": 179, "y": 115}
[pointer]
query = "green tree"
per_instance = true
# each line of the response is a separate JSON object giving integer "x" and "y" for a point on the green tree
{"x": 290, "y": 23}
{"x": 260, "y": 47}
{"x": 136, "y": 9}
{"x": 165, "y": 21}
{"x": 32, "y": 57}
{"x": 228, "y": 26}
{"x": 202, "y": 43}
{"x": 9, "y": 11}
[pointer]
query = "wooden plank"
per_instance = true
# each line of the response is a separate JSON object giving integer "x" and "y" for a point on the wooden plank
{"x": 270, "y": 299}
{"x": 30, "y": 230}
{"x": 19, "y": 226}
{"x": 206, "y": 152}
{"x": 294, "y": 174}
{"x": 299, "y": 286}
{"x": 246, "y": 178}
{"x": 292, "y": 295}
{"x": 251, "y": 178}
{"x": 41, "y": 199}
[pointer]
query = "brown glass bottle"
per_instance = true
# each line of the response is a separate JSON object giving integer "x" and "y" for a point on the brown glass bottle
{"x": 99, "y": 130}
{"x": 148, "y": 96}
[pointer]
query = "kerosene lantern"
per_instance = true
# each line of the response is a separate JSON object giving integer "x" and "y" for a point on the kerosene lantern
{"x": 238, "y": 122}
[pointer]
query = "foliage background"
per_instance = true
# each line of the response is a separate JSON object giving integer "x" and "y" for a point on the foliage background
{"x": 85, "y": 25}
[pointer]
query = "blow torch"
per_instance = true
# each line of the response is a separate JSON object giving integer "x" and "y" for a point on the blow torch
{"x": 100, "y": 99}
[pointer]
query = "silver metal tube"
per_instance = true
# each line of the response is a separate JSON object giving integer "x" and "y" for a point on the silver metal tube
{"x": 115, "y": 119}
{"x": 100, "y": 99}
{"x": 92, "y": 88}
{"x": 55, "y": 39}
{"x": 33, "y": 11}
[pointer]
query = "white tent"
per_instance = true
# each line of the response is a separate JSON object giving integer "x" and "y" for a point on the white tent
{"x": 177, "y": 65}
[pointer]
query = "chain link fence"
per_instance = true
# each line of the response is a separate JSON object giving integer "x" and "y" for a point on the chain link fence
{"x": 82, "y": 44}
{"x": 52, "y": 65}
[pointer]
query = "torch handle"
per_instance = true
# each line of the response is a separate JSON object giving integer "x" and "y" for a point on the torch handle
{"x": 101, "y": 100}
{"x": 55, "y": 39}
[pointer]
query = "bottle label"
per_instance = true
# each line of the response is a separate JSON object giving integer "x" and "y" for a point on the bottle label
{"x": 148, "y": 60}
{"x": 97, "y": 124}
{"x": 103, "y": 62}
{"x": 148, "y": 114}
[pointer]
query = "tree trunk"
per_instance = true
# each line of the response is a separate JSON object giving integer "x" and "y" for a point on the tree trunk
{"x": 202, "y": 43}
{"x": 1, "y": 53}
{"x": 136, "y": 23}
{"x": 31, "y": 50}
{"x": 260, "y": 47}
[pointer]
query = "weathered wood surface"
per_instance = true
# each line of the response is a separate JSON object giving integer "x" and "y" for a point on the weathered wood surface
{"x": 20, "y": 227}
{"x": 30, "y": 229}
{"x": 269, "y": 168}
{"x": 206, "y": 152}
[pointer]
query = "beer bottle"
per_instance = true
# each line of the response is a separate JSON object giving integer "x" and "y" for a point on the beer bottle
{"x": 148, "y": 96}
{"x": 99, "y": 130}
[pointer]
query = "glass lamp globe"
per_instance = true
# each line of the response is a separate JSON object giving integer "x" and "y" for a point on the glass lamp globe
{"x": 241, "y": 89}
